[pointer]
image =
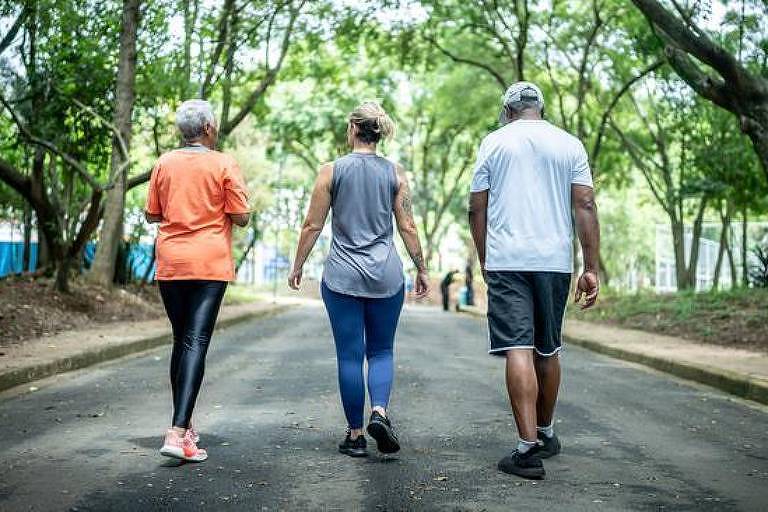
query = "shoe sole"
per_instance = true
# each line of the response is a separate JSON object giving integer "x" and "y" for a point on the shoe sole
{"x": 178, "y": 453}
{"x": 353, "y": 453}
{"x": 385, "y": 440}
{"x": 529, "y": 473}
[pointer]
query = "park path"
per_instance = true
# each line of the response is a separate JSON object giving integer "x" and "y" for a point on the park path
{"x": 269, "y": 414}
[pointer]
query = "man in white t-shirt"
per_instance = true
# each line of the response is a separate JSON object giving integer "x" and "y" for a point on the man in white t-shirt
{"x": 529, "y": 179}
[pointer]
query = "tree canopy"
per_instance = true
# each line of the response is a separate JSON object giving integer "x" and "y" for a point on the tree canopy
{"x": 670, "y": 99}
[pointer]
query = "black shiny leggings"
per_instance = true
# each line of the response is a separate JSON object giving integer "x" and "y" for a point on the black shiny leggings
{"x": 192, "y": 308}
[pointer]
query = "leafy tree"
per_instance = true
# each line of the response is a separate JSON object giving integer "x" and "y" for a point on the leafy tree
{"x": 57, "y": 160}
{"x": 731, "y": 79}
{"x": 103, "y": 269}
{"x": 439, "y": 145}
{"x": 663, "y": 145}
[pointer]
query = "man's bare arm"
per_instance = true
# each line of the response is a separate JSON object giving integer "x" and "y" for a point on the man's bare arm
{"x": 478, "y": 223}
{"x": 588, "y": 231}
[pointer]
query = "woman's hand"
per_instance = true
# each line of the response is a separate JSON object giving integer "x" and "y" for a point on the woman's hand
{"x": 421, "y": 288}
{"x": 294, "y": 279}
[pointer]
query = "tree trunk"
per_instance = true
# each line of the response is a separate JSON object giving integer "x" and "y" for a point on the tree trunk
{"x": 71, "y": 253}
{"x": 26, "y": 258}
{"x": 678, "y": 243}
{"x": 103, "y": 270}
{"x": 744, "y": 264}
{"x": 429, "y": 252}
{"x": 43, "y": 254}
{"x": 720, "y": 253}
{"x": 729, "y": 243}
{"x": 693, "y": 259}
{"x": 62, "y": 274}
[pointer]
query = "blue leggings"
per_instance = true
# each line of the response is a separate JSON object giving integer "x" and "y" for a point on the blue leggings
{"x": 363, "y": 328}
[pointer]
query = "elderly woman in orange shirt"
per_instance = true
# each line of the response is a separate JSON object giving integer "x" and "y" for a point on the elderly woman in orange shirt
{"x": 195, "y": 194}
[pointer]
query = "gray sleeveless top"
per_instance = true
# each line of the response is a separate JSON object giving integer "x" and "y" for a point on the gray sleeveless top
{"x": 363, "y": 260}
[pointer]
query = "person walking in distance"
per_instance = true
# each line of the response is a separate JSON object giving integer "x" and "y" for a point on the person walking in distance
{"x": 195, "y": 194}
{"x": 530, "y": 177}
{"x": 445, "y": 289}
{"x": 363, "y": 284}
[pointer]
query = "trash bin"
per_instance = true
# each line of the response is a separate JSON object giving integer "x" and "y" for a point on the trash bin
{"x": 463, "y": 293}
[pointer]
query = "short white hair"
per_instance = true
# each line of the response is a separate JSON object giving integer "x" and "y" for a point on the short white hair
{"x": 191, "y": 118}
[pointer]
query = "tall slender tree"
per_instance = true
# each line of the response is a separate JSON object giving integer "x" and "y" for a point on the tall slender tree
{"x": 103, "y": 270}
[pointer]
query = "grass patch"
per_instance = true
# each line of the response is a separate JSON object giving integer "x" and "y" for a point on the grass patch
{"x": 736, "y": 318}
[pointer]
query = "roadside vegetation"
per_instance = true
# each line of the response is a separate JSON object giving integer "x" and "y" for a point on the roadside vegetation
{"x": 735, "y": 318}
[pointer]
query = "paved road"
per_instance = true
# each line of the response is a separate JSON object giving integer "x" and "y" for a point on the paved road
{"x": 633, "y": 439}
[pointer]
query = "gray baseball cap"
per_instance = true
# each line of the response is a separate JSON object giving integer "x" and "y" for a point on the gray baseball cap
{"x": 523, "y": 91}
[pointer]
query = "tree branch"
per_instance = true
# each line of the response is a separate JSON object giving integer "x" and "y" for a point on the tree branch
{"x": 137, "y": 180}
{"x": 641, "y": 166}
{"x": 614, "y": 101}
{"x": 205, "y": 87}
{"x": 698, "y": 45}
{"x": 53, "y": 148}
{"x": 11, "y": 34}
{"x": 120, "y": 139}
{"x": 15, "y": 179}
{"x": 462, "y": 60}
{"x": 268, "y": 79}
{"x": 706, "y": 86}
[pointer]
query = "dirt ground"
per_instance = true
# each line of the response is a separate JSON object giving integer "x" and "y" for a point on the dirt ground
{"x": 30, "y": 308}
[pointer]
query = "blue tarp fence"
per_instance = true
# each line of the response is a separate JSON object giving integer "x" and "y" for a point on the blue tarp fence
{"x": 12, "y": 256}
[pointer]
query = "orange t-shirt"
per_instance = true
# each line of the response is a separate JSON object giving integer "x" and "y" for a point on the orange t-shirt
{"x": 194, "y": 189}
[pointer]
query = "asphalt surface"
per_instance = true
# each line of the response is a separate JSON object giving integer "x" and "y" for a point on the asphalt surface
{"x": 269, "y": 414}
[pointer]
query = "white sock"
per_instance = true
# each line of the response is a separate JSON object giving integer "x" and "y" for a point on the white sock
{"x": 523, "y": 446}
{"x": 548, "y": 431}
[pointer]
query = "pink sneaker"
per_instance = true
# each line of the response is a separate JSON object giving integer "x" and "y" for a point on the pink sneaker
{"x": 182, "y": 447}
{"x": 193, "y": 434}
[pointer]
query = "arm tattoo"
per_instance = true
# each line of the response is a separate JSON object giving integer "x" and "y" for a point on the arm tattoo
{"x": 418, "y": 261}
{"x": 407, "y": 204}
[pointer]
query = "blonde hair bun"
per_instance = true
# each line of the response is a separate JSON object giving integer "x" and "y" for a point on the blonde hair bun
{"x": 372, "y": 122}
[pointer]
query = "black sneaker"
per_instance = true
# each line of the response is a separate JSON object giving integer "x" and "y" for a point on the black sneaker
{"x": 526, "y": 465}
{"x": 547, "y": 446}
{"x": 380, "y": 429}
{"x": 354, "y": 447}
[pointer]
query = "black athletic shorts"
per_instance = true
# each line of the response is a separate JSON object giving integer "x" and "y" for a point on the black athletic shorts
{"x": 525, "y": 310}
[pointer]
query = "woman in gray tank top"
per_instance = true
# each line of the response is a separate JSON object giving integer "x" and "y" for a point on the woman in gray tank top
{"x": 362, "y": 285}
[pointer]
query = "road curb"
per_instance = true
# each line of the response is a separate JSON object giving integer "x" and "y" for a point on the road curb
{"x": 27, "y": 374}
{"x": 734, "y": 383}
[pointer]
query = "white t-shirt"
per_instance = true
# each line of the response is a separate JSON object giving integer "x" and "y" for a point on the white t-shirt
{"x": 528, "y": 167}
